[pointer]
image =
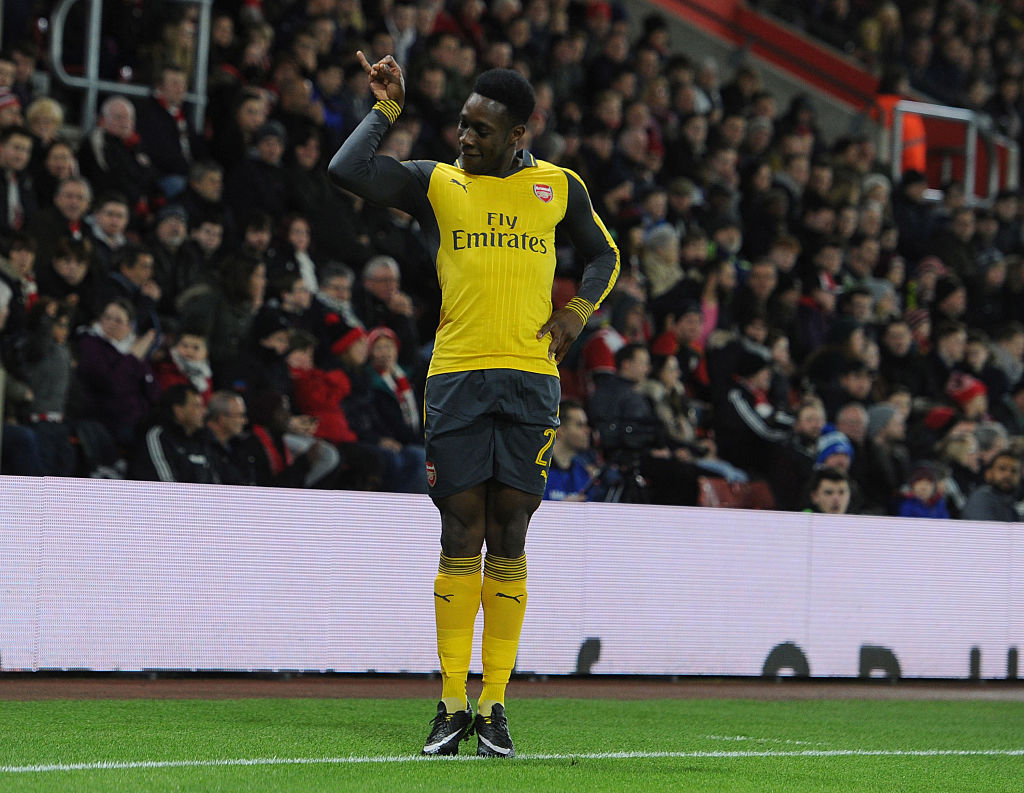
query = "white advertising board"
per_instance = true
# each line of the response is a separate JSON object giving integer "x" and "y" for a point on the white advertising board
{"x": 111, "y": 575}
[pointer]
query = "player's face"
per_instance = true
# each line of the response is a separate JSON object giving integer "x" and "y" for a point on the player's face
{"x": 487, "y": 139}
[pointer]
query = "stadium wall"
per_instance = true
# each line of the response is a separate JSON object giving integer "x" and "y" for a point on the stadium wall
{"x": 131, "y": 576}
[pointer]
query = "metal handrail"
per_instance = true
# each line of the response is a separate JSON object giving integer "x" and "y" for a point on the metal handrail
{"x": 92, "y": 82}
{"x": 979, "y": 129}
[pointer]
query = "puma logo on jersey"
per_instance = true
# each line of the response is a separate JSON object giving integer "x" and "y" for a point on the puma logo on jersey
{"x": 510, "y": 597}
{"x": 460, "y": 184}
{"x": 446, "y": 598}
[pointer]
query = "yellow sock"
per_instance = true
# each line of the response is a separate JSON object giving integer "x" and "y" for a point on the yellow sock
{"x": 456, "y": 602}
{"x": 504, "y": 601}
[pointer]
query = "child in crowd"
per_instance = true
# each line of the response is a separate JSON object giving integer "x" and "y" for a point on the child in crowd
{"x": 922, "y": 498}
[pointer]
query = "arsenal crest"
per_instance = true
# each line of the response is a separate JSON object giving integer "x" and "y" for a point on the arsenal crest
{"x": 431, "y": 474}
{"x": 543, "y": 192}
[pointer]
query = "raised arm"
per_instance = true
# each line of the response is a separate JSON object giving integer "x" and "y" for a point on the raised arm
{"x": 356, "y": 166}
{"x": 592, "y": 241}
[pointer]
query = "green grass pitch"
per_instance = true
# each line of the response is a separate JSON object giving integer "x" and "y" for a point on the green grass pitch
{"x": 564, "y": 745}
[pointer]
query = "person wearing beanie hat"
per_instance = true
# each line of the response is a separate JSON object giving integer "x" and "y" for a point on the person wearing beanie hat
{"x": 343, "y": 337}
{"x": 259, "y": 183}
{"x": 172, "y": 211}
{"x": 498, "y": 335}
{"x": 834, "y": 451}
{"x": 260, "y": 364}
{"x": 271, "y": 129}
{"x": 879, "y": 417}
{"x": 10, "y": 109}
{"x": 886, "y": 457}
{"x": 969, "y": 394}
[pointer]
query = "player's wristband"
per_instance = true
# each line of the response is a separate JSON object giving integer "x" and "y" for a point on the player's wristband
{"x": 581, "y": 308}
{"x": 389, "y": 108}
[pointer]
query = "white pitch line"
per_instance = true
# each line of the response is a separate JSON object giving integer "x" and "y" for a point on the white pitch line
{"x": 106, "y": 765}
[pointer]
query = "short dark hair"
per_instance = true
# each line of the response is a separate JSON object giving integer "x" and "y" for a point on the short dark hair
{"x": 826, "y": 474}
{"x": 626, "y": 353}
{"x": 511, "y": 89}
{"x": 9, "y": 132}
{"x": 129, "y": 254}
{"x": 175, "y": 396}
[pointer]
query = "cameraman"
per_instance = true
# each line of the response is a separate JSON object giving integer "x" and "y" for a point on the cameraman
{"x": 632, "y": 438}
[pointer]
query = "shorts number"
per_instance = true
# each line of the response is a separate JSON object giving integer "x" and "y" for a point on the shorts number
{"x": 541, "y": 460}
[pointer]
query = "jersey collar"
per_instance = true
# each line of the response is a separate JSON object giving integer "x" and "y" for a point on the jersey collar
{"x": 523, "y": 159}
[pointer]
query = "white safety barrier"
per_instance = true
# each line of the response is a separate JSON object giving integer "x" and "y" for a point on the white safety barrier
{"x": 113, "y": 575}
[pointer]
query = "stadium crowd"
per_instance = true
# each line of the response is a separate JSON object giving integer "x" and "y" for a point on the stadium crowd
{"x": 203, "y": 305}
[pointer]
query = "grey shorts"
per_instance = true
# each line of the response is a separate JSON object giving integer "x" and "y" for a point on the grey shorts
{"x": 489, "y": 424}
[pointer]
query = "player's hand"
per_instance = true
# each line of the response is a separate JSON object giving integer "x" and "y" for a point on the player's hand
{"x": 386, "y": 78}
{"x": 564, "y": 325}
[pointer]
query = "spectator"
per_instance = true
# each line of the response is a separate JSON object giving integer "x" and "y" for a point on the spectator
{"x": 750, "y": 432}
{"x": 888, "y": 460}
{"x": 131, "y": 280}
{"x": 176, "y": 265}
{"x": 223, "y": 312}
{"x": 922, "y": 497}
{"x": 17, "y": 271}
{"x": 175, "y": 449}
{"x": 380, "y": 303}
{"x": 257, "y": 183}
{"x": 71, "y": 279}
{"x": 994, "y": 500}
{"x": 574, "y": 474}
{"x": 293, "y": 254}
{"x": 288, "y": 459}
{"x": 667, "y": 395}
{"x": 17, "y": 198}
{"x": 48, "y": 373}
{"x": 969, "y": 394}
{"x": 109, "y": 222}
{"x": 56, "y": 163}
{"x": 238, "y": 456}
{"x": 116, "y": 383}
{"x": 1010, "y": 412}
{"x": 797, "y": 458}
{"x": 398, "y": 414}
{"x": 64, "y": 219}
{"x": 260, "y": 363}
{"x": 233, "y": 137}
{"x": 10, "y": 109}
{"x": 829, "y": 492}
{"x": 947, "y": 356}
{"x": 319, "y": 393}
{"x": 630, "y": 435}
{"x": 336, "y": 230}
{"x": 1008, "y": 350}
{"x": 165, "y": 130}
{"x": 187, "y": 363}
{"x": 958, "y": 451}
{"x": 203, "y": 197}
{"x": 44, "y": 119}
{"x": 902, "y": 364}
{"x": 113, "y": 157}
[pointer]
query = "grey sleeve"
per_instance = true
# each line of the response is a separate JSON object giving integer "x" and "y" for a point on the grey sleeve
{"x": 382, "y": 180}
{"x": 591, "y": 241}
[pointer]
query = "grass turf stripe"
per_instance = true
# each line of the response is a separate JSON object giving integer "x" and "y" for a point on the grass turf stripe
{"x": 105, "y": 765}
